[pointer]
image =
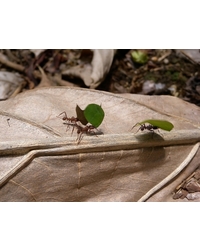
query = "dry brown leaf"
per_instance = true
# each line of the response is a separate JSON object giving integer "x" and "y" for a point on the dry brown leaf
{"x": 93, "y": 74}
{"x": 9, "y": 83}
{"x": 40, "y": 161}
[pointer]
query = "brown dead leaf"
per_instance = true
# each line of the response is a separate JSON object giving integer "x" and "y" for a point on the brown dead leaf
{"x": 95, "y": 72}
{"x": 9, "y": 83}
{"x": 41, "y": 161}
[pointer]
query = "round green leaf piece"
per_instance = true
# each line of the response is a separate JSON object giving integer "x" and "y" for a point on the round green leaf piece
{"x": 94, "y": 114}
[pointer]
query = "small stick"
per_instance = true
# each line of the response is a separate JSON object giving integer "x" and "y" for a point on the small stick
{"x": 172, "y": 175}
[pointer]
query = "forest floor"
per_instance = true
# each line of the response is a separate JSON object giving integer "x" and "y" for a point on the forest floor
{"x": 165, "y": 72}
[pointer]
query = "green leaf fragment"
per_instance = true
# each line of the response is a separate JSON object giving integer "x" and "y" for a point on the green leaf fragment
{"x": 162, "y": 124}
{"x": 94, "y": 114}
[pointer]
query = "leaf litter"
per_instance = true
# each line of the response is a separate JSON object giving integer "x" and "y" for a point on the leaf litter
{"x": 166, "y": 72}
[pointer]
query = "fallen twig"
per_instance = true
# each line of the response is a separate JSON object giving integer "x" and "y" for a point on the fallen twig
{"x": 172, "y": 175}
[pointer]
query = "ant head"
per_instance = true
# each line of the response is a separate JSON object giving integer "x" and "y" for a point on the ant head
{"x": 142, "y": 127}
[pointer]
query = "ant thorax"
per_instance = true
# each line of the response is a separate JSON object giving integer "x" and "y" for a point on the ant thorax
{"x": 150, "y": 127}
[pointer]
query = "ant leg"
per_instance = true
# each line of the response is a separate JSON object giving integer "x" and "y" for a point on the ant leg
{"x": 79, "y": 137}
{"x": 67, "y": 125}
{"x": 137, "y": 130}
{"x": 72, "y": 129}
{"x": 65, "y": 115}
{"x": 94, "y": 133}
{"x": 135, "y": 125}
{"x": 91, "y": 131}
{"x": 160, "y": 132}
{"x": 153, "y": 132}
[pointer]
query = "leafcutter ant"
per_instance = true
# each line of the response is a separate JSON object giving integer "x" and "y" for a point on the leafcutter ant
{"x": 84, "y": 130}
{"x": 154, "y": 124}
{"x": 147, "y": 127}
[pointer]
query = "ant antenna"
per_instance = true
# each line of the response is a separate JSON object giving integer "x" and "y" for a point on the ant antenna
{"x": 137, "y": 130}
{"x": 135, "y": 125}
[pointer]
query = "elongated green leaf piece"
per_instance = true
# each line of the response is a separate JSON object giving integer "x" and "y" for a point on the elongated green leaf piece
{"x": 94, "y": 114}
{"x": 162, "y": 124}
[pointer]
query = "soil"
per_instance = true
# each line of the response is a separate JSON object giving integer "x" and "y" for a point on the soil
{"x": 165, "y": 73}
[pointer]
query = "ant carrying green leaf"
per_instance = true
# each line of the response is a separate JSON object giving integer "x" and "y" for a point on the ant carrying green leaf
{"x": 91, "y": 117}
{"x": 154, "y": 124}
